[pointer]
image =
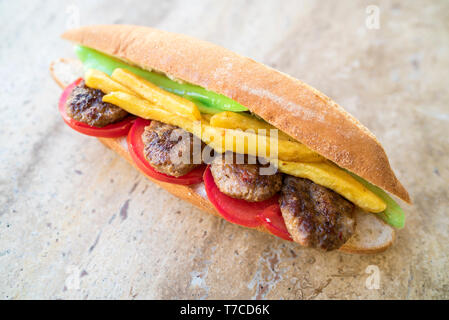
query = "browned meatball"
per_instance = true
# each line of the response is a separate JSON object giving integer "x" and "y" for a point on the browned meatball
{"x": 85, "y": 105}
{"x": 314, "y": 215}
{"x": 244, "y": 181}
{"x": 169, "y": 149}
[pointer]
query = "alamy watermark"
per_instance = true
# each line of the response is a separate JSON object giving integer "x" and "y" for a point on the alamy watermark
{"x": 72, "y": 282}
{"x": 73, "y": 17}
{"x": 372, "y": 282}
{"x": 372, "y": 20}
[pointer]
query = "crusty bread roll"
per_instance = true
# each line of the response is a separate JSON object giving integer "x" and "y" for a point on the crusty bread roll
{"x": 372, "y": 235}
{"x": 287, "y": 103}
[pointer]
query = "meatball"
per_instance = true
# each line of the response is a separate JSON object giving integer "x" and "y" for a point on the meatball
{"x": 85, "y": 105}
{"x": 169, "y": 149}
{"x": 314, "y": 215}
{"x": 244, "y": 181}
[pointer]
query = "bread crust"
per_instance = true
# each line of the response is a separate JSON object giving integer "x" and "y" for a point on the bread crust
{"x": 287, "y": 103}
{"x": 374, "y": 235}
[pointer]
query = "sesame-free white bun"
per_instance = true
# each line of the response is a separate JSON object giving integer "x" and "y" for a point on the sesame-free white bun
{"x": 287, "y": 103}
{"x": 372, "y": 235}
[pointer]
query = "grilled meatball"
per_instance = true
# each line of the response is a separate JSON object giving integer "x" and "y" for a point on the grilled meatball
{"x": 84, "y": 104}
{"x": 169, "y": 149}
{"x": 314, "y": 215}
{"x": 244, "y": 181}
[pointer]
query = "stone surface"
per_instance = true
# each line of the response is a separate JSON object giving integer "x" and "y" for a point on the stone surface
{"x": 72, "y": 212}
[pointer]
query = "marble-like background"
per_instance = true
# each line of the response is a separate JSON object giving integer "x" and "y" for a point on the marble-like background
{"x": 69, "y": 207}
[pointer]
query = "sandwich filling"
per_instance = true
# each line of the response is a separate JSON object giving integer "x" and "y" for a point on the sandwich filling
{"x": 320, "y": 219}
{"x": 316, "y": 198}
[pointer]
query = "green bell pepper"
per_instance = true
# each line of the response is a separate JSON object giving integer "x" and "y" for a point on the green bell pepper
{"x": 393, "y": 214}
{"x": 203, "y": 107}
{"x": 208, "y": 101}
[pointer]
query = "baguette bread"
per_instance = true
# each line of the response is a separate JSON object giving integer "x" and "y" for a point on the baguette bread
{"x": 287, "y": 103}
{"x": 372, "y": 235}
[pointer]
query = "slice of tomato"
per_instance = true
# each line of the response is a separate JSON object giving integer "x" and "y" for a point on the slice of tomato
{"x": 272, "y": 219}
{"x": 245, "y": 213}
{"x": 114, "y": 130}
{"x": 237, "y": 211}
{"x": 136, "y": 148}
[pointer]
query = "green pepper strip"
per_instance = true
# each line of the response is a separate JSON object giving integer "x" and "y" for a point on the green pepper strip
{"x": 393, "y": 214}
{"x": 208, "y": 101}
{"x": 203, "y": 107}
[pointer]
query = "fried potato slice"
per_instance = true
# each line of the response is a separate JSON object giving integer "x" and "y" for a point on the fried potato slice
{"x": 257, "y": 145}
{"x": 234, "y": 120}
{"x": 331, "y": 176}
{"x": 99, "y": 80}
{"x": 156, "y": 95}
{"x": 147, "y": 110}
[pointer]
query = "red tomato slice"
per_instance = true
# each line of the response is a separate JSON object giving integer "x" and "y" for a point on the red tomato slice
{"x": 114, "y": 130}
{"x": 237, "y": 211}
{"x": 136, "y": 147}
{"x": 272, "y": 219}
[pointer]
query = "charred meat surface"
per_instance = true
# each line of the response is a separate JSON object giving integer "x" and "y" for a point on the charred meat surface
{"x": 245, "y": 181}
{"x": 85, "y": 105}
{"x": 314, "y": 215}
{"x": 170, "y": 149}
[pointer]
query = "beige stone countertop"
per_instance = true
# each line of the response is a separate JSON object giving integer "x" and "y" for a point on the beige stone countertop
{"x": 78, "y": 222}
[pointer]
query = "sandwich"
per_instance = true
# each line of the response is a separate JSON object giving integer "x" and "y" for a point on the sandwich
{"x": 232, "y": 136}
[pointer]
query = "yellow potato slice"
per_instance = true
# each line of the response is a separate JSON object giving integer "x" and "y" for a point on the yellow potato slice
{"x": 257, "y": 145}
{"x": 330, "y": 176}
{"x": 99, "y": 80}
{"x": 234, "y": 120}
{"x": 156, "y": 95}
{"x": 147, "y": 110}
